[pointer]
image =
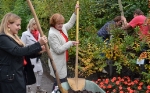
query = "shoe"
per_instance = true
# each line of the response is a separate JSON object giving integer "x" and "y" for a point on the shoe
{"x": 104, "y": 71}
{"x": 29, "y": 90}
{"x": 40, "y": 90}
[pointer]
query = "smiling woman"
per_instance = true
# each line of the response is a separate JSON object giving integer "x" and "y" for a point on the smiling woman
{"x": 12, "y": 50}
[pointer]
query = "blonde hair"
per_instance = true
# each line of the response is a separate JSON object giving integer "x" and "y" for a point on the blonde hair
{"x": 30, "y": 24}
{"x": 10, "y": 18}
{"x": 55, "y": 18}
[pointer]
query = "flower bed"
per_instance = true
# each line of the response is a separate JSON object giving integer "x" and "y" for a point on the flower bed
{"x": 123, "y": 85}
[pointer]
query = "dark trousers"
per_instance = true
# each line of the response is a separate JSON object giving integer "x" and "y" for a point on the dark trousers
{"x": 61, "y": 80}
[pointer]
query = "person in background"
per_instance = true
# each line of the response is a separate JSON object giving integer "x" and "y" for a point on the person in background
{"x": 29, "y": 37}
{"x": 104, "y": 31}
{"x": 59, "y": 44}
{"x": 138, "y": 21}
{"x": 12, "y": 52}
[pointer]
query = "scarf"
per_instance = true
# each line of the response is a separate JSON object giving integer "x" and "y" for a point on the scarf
{"x": 35, "y": 34}
{"x": 24, "y": 61}
{"x": 66, "y": 38}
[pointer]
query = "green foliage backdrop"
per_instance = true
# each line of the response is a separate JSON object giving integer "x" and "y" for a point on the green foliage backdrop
{"x": 93, "y": 15}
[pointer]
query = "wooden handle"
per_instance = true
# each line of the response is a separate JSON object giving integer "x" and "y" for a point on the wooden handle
{"x": 77, "y": 32}
{"x": 47, "y": 47}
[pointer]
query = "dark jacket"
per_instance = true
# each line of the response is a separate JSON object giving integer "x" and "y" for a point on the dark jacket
{"x": 28, "y": 70}
{"x": 104, "y": 31}
{"x": 12, "y": 79}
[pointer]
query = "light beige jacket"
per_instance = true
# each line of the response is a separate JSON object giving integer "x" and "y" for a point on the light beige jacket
{"x": 58, "y": 46}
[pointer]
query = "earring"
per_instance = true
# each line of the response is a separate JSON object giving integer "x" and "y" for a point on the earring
{"x": 9, "y": 29}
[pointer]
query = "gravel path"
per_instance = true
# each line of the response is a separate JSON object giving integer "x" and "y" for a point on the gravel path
{"x": 47, "y": 84}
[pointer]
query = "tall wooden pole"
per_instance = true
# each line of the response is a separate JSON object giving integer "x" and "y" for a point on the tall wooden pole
{"x": 77, "y": 39}
{"x": 121, "y": 10}
{"x": 121, "y": 7}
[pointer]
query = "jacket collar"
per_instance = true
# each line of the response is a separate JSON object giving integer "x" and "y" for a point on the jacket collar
{"x": 30, "y": 35}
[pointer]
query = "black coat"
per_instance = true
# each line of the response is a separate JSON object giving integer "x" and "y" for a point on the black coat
{"x": 28, "y": 70}
{"x": 12, "y": 79}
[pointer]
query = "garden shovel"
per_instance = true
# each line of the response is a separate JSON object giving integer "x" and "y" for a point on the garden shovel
{"x": 76, "y": 83}
{"x": 47, "y": 48}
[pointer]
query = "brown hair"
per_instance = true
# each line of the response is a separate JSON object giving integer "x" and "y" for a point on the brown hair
{"x": 117, "y": 18}
{"x": 55, "y": 18}
{"x": 10, "y": 18}
{"x": 138, "y": 12}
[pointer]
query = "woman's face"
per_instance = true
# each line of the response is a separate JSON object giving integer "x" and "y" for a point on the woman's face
{"x": 59, "y": 26}
{"x": 34, "y": 26}
{"x": 15, "y": 27}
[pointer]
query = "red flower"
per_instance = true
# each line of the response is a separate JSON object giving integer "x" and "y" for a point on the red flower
{"x": 139, "y": 87}
{"x": 131, "y": 91}
{"x": 132, "y": 83}
{"x": 128, "y": 88}
{"x": 148, "y": 87}
{"x": 104, "y": 87}
{"x": 147, "y": 91}
{"x": 96, "y": 82}
{"x": 109, "y": 86}
{"x": 129, "y": 84}
{"x": 114, "y": 78}
{"x": 101, "y": 83}
{"x": 122, "y": 79}
{"x": 117, "y": 82}
{"x": 99, "y": 80}
{"x": 123, "y": 85}
{"x": 125, "y": 82}
{"x": 121, "y": 92}
{"x": 136, "y": 81}
{"x": 106, "y": 81}
{"x": 120, "y": 87}
{"x": 114, "y": 90}
{"x": 141, "y": 83}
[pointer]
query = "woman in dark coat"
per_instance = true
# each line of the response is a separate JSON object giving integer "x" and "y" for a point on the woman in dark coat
{"x": 12, "y": 50}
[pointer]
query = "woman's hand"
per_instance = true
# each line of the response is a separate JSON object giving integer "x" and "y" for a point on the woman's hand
{"x": 43, "y": 49}
{"x": 75, "y": 42}
{"x": 42, "y": 40}
{"x": 77, "y": 6}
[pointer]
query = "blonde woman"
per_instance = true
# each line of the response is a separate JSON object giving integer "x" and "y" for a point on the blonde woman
{"x": 12, "y": 50}
{"x": 29, "y": 37}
